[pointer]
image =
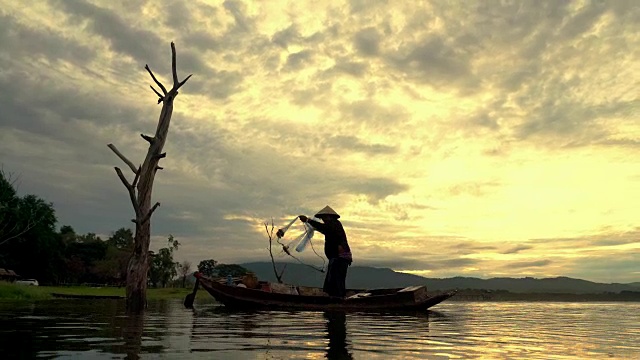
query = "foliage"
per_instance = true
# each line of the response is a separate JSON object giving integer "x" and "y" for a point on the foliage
{"x": 211, "y": 268}
{"x": 162, "y": 268}
{"x": 208, "y": 267}
{"x": 68, "y": 234}
{"x": 224, "y": 270}
{"x": 18, "y": 215}
{"x": 29, "y": 243}
{"x": 121, "y": 239}
{"x": 184, "y": 269}
{"x": 32, "y": 247}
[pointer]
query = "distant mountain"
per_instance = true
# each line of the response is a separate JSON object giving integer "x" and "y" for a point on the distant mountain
{"x": 364, "y": 277}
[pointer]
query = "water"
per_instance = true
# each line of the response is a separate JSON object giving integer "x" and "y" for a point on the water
{"x": 98, "y": 329}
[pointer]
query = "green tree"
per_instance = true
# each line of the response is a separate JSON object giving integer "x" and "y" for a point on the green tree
{"x": 83, "y": 259}
{"x": 162, "y": 267}
{"x": 112, "y": 268}
{"x": 184, "y": 269}
{"x": 89, "y": 238}
{"x": 29, "y": 243}
{"x": 121, "y": 239}
{"x": 208, "y": 267}
{"x": 68, "y": 234}
{"x": 19, "y": 215}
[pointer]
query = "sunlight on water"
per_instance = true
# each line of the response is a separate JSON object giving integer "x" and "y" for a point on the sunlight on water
{"x": 455, "y": 330}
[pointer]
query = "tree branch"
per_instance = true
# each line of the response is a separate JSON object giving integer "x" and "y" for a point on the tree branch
{"x": 161, "y": 156}
{"x": 273, "y": 262}
{"x": 164, "y": 90}
{"x": 130, "y": 189}
{"x": 150, "y": 139}
{"x": 135, "y": 179}
{"x": 173, "y": 66}
{"x": 183, "y": 82}
{"x": 30, "y": 225}
{"x": 126, "y": 161}
{"x": 148, "y": 216}
{"x": 160, "y": 97}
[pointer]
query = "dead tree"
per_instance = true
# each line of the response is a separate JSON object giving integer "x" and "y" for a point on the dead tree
{"x": 273, "y": 262}
{"x": 140, "y": 191}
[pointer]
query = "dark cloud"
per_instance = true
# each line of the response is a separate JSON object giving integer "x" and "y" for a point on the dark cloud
{"x": 316, "y": 93}
{"x": 242, "y": 22}
{"x": 178, "y": 15}
{"x": 583, "y": 20}
{"x": 360, "y": 6}
{"x": 615, "y": 239}
{"x": 22, "y": 41}
{"x": 370, "y": 114}
{"x": 485, "y": 120}
{"x": 517, "y": 249}
{"x": 47, "y": 107}
{"x": 435, "y": 61}
{"x": 367, "y": 41}
{"x": 190, "y": 62}
{"x": 570, "y": 123}
{"x": 297, "y": 60}
{"x": 140, "y": 44}
{"x": 375, "y": 189}
{"x": 202, "y": 41}
{"x": 401, "y": 210}
{"x": 607, "y": 267}
{"x": 353, "y": 143}
{"x": 346, "y": 66}
{"x": 285, "y": 37}
{"x": 218, "y": 84}
{"x": 605, "y": 239}
{"x": 467, "y": 247}
{"x": 418, "y": 264}
{"x": 515, "y": 265}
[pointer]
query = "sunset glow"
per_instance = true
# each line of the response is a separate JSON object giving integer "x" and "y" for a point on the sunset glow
{"x": 454, "y": 138}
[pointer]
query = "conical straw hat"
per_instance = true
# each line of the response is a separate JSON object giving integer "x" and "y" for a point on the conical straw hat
{"x": 327, "y": 210}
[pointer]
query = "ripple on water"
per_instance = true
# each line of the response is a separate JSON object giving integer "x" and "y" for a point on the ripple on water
{"x": 537, "y": 330}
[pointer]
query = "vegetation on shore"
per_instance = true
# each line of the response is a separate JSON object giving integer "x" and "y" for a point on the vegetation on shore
{"x": 33, "y": 248}
{"x": 9, "y": 291}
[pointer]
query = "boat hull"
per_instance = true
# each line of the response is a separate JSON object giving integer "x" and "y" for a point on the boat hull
{"x": 410, "y": 299}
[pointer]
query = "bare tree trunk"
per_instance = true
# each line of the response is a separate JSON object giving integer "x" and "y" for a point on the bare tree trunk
{"x": 273, "y": 262}
{"x": 141, "y": 199}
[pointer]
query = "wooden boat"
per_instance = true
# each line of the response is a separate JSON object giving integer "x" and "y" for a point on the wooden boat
{"x": 271, "y": 296}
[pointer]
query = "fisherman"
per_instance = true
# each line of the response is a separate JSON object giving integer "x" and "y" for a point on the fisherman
{"x": 336, "y": 248}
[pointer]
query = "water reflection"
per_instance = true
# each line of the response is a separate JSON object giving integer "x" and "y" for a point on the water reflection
{"x": 100, "y": 329}
{"x": 337, "y": 335}
{"x": 132, "y": 334}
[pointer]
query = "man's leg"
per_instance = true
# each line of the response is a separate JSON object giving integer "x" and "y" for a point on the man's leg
{"x": 340, "y": 276}
{"x": 328, "y": 279}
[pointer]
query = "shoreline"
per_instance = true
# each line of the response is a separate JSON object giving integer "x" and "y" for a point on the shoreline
{"x": 9, "y": 291}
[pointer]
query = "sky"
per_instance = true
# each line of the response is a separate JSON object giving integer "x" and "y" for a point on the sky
{"x": 454, "y": 138}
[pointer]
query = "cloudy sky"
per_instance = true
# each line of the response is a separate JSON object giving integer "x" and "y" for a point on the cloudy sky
{"x": 470, "y": 138}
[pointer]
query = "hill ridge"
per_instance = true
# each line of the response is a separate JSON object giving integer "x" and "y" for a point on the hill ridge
{"x": 369, "y": 277}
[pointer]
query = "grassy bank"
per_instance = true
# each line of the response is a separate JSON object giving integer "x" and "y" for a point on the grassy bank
{"x": 10, "y": 291}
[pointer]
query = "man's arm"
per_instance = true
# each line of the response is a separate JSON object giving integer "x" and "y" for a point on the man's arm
{"x": 321, "y": 227}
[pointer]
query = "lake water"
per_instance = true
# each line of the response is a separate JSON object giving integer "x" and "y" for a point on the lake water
{"x": 98, "y": 329}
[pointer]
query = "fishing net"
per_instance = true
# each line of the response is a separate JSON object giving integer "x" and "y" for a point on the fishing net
{"x": 300, "y": 242}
